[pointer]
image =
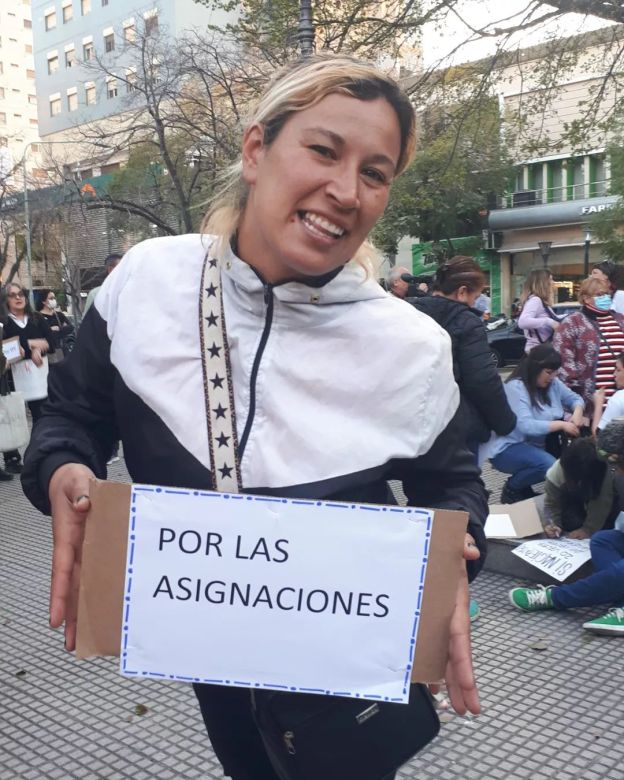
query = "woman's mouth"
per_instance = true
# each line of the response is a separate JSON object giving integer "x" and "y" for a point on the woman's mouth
{"x": 321, "y": 226}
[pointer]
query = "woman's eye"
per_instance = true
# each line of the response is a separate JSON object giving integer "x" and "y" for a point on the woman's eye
{"x": 375, "y": 175}
{"x": 324, "y": 151}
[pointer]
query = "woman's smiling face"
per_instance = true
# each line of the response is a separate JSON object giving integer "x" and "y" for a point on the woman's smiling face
{"x": 317, "y": 190}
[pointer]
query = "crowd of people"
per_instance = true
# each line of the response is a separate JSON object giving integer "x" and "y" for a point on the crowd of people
{"x": 297, "y": 286}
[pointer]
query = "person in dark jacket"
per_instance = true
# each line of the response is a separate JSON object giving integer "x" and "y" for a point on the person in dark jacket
{"x": 307, "y": 329}
{"x": 457, "y": 285}
{"x": 58, "y": 323}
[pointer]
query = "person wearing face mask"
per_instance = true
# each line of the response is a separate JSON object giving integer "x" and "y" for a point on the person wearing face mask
{"x": 539, "y": 400}
{"x": 58, "y": 323}
{"x": 589, "y": 342}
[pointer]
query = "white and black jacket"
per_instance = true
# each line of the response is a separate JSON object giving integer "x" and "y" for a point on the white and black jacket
{"x": 338, "y": 387}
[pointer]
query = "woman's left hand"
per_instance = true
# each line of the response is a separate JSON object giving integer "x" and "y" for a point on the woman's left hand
{"x": 459, "y": 676}
{"x": 577, "y": 417}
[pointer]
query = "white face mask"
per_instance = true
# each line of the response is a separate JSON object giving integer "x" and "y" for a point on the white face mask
{"x": 51, "y": 302}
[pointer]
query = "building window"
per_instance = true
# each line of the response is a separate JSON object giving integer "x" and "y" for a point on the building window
{"x": 34, "y": 148}
{"x": 50, "y": 20}
{"x": 68, "y": 13}
{"x": 130, "y": 81}
{"x": 110, "y": 168}
{"x": 33, "y": 122}
{"x": 90, "y": 94}
{"x": 111, "y": 88}
{"x": 53, "y": 64}
{"x": 104, "y": 2}
{"x": 32, "y": 99}
{"x": 1, "y": 69}
{"x": 55, "y": 106}
{"x": 151, "y": 24}
{"x": 40, "y": 173}
{"x": 27, "y": 24}
{"x": 109, "y": 42}
{"x": 28, "y": 48}
{"x": 30, "y": 74}
{"x": 129, "y": 33}
{"x": 72, "y": 101}
{"x": 85, "y": 7}
{"x": 2, "y": 118}
{"x": 88, "y": 52}
{"x": 1, "y": 93}
{"x": 70, "y": 58}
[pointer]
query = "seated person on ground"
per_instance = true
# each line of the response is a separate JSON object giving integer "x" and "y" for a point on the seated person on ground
{"x": 603, "y": 415}
{"x": 606, "y": 585}
{"x": 580, "y": 496}
{"x": 539, "y": 401}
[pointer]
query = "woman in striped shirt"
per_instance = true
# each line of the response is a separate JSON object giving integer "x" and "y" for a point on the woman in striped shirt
{"x": 589, "y": 342}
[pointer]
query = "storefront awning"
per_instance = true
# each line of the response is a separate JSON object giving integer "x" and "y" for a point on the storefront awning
{"x": 568, "y": 213}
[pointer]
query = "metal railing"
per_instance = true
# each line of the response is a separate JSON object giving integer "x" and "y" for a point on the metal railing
{"x": 541, "y": 196}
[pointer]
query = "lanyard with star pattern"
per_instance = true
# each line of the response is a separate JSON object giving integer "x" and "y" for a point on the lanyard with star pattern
{"x": 220, "y": 416}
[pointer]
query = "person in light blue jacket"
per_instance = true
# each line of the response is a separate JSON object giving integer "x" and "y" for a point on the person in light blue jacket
{"x": 539, "y": 401}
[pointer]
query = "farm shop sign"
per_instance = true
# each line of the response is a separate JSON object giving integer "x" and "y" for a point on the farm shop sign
{"x": 597, "y": 208}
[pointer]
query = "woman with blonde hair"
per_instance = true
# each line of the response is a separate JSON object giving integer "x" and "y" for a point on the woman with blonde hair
{"x": 326, "y": 406}
{"x": 537, "y": 319}
{"x": 590, "y": 341}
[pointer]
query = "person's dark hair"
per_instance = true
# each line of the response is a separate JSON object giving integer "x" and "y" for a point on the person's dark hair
{"x": 110, "y": 261}
{"x": 608, "y": 268}
{"x": 459, "y": 271}
{"x": 610, "y": 441}
{"x": 41, "y": 298}
{"x": 616, "y": 277}
{"x": 531, "y": 366}
{"x": 582, "y": 468}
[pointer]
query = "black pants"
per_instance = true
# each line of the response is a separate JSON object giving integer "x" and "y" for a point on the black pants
{"x": 35, "y": 412}
{"x": 233, "y": 733}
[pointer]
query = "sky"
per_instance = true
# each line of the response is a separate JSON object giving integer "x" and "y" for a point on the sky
{"x": 439, "y": 43}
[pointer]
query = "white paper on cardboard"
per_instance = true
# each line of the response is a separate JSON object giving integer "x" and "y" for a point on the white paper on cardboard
{"x": 228, "y": 590}
{"x": 557, "y": 557}
{"x": 497, "y": 526}
{"x": 11, "y": 349}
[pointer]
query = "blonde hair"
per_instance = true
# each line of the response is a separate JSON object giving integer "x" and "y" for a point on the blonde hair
{"x": 296, "y": 87}
{"x": 591, "y": 287}
{"x": 538, "y": 282}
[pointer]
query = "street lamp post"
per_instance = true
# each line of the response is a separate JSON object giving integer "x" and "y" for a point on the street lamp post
{"x": 544, "y": 248}
{"x": 305, "y": 34}
{"x": 586, "y": 255}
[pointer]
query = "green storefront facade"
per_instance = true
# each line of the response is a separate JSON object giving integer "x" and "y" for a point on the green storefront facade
{"x": 424, "y": 261}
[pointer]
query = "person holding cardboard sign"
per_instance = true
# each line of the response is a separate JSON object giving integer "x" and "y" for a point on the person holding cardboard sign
{"x": 326, "y": 405}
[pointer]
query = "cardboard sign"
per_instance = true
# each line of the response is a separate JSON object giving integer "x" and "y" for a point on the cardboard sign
{"x": 377, "y": 650}
{"x": 557, "y": 557}
{"x": 11, "y": 349}
{"x": 513, "y": 521}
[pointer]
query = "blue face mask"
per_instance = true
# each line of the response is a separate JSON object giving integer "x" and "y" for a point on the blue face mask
{"x": 603, "y": 302}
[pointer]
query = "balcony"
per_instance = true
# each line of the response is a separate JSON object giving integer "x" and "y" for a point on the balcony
{"x": 546, "y": 195}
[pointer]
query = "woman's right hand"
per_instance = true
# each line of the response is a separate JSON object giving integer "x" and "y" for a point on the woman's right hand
{"x": 569, "y": 428}
{"x": 552, "y": 531}
{"x": 69, "y": 498}
{"x": 36, "y": 357}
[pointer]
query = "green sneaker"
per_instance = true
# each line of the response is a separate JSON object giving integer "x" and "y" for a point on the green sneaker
{"x": 532, "y": 599}
{"x": 474, "y": 610}
{"x": 611, "y": 624}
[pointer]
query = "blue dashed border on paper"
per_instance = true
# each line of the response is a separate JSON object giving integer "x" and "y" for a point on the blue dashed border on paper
{"x": 269, "y": 499}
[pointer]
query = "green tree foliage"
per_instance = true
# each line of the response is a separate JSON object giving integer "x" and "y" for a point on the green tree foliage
{"x": 608, "y": 226}
{"x": 458, "y": 170}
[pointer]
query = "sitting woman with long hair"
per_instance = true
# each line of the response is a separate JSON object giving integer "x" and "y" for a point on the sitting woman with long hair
{"x": 539, "y": 401}
{"x": 580, "y": 493}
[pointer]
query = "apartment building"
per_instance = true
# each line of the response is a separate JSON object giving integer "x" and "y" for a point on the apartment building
{"x": 18, "y": 100}
{"x": 69, "y": 33}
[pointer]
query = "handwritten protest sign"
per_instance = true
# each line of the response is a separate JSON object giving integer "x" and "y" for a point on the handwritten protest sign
{"x": 273, "y": 593}
{"x": 11, "y": 350}
{"x": 557, "y": 557}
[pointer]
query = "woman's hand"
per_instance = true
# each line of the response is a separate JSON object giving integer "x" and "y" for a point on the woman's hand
{"x": 69, "y": 499}
{"x": 599, "y": 396}
{"x": 569, "y": 428}
{"x": 555, "y": 324}
{"x": 39, "y": 344}
{"x": 460, "y": 681}
{"x": 579, "y": 533}
{"x": 552, "y": 531}
{"x": 36, "y": 357}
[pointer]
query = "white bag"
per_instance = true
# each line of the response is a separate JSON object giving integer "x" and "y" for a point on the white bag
{"x": 31, "y": 380}
{"x": 13, "y": 424}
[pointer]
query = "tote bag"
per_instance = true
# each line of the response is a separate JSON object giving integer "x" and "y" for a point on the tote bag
{"x": 13, "y": 424}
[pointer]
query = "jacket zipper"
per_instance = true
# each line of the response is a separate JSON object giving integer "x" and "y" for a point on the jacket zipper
{"x": 268, "y": 299}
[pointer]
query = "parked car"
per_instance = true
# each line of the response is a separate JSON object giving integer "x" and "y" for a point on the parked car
{"x": 506, "y": 339}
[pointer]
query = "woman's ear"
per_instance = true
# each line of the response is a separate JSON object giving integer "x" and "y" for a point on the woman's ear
{"x": 253, "y": 149}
